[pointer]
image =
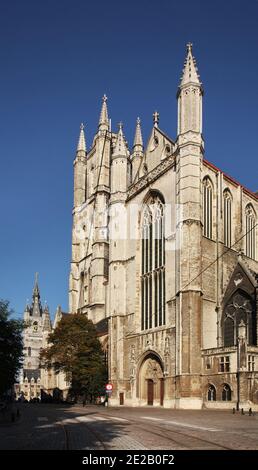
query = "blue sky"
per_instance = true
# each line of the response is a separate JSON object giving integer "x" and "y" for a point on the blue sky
{"x": 57, "y": 60}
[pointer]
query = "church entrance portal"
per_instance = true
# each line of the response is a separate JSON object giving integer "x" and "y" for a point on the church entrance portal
{"x": 151, "y": 381}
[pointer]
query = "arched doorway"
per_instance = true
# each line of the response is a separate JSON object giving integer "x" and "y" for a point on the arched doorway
{"x": 151, "y": 381}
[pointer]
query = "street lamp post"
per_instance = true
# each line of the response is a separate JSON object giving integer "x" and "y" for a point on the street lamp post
{"x": 240, "y": 341}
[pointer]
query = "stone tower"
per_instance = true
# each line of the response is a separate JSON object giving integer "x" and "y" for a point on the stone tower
{"x": 189, "y": 231}
{"x": 39, "y": 325}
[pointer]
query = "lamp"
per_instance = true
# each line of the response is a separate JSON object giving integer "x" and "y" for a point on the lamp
{"x": 240, "y": 339}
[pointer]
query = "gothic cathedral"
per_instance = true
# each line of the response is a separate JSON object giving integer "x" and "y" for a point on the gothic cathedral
{"x": 165, "y": 263}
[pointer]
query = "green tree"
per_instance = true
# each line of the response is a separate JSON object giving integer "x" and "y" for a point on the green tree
{"x": 75, "y": 349}
{"x": 11, "y": 347}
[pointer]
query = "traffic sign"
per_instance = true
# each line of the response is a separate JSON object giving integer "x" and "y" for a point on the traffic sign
{"x": 109, "y": 387}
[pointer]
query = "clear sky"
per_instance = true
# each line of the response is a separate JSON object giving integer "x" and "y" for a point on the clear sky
{"x": 57, "y": 60}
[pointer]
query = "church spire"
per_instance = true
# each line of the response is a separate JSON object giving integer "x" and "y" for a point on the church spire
{"x": 137, "y": 153}
{"x": 189, "y": 97}
{"x": 36, "y": 308}
{"x": 81, "y": 147}
{"x": 120, "y": 147}
{"x": 190, "y": 70}
{"x": 103, "y": 119}
{"x": 36, "y": 292}
{"x": 138, "y": 143}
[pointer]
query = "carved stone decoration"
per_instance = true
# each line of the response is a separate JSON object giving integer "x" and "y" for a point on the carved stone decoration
{"x": 152, "y": 176}
{"x": 238, "y": 279}
{"x": 167, "y": 349}
{"x": 153, "y": 371}
{"x": 132, "y": 354}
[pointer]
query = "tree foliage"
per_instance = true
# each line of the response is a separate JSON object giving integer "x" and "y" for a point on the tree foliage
{"x": 75, "y": 349}
{"x": 11, "y": 347}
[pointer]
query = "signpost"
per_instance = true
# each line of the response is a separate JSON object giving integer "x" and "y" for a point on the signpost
{"x": 109, "y": 388}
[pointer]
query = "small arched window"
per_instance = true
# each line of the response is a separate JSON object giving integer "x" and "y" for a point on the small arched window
{"x": 227, "y": 217}
{"x": 207, "y": 207}
{"x": 211, "y": 393}
{"x": 226, "y": 392}
{"x": 153, "y": 265}
{"x": 250, "y": 224}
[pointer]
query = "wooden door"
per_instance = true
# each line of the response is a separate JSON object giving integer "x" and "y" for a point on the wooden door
{"x": 150, "y": 392}
{"x": 121, "y": 398}
{"x": 161, "y": 392}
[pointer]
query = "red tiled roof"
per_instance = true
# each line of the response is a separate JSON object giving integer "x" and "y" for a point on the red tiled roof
{"x": 251, "y": 193}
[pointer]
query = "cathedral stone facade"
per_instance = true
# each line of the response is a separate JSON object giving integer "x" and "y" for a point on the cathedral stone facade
{"x": 165, "y": 263}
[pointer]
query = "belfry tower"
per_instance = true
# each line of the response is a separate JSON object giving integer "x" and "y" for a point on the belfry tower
{"x": 38, "y": 324}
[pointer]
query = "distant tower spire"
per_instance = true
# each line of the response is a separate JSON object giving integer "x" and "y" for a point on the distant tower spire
{"x": 36, "y": 307}
{"x": 103, "y": 120}
{"x": 36, "y": 292}
{"x": 81, "y": 147}
{"x": 189, "y": 96}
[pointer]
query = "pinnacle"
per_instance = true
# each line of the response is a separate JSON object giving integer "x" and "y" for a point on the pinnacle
{"x": 190, "y": 70}
{"x": 138, "y": 135}
{"x": 81, "y": 143}
{"x": 103, "y": 119}
{"x": 120, "y": 147}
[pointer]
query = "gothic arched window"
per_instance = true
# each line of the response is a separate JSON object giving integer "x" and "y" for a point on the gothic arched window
{"x": 226, "y": 392}
{"x": 250, "y": 224}
{"x": 153, "y": 265}
{"x": 239, "y": 308}
{"x": 227, "y": 217}
{"x": 211, "y": 393}
{"x": 207, "y": 207}
{"x": 29, "y": 351}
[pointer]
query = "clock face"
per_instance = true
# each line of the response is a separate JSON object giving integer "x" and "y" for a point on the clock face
{"x": 35, "y": 326}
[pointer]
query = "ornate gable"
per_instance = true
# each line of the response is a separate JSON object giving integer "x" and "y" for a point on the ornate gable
{"x": 159, "y": 147}
{"x": 242, "y": 278}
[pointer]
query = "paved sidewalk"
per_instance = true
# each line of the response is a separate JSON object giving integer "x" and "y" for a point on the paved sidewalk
{"x": 10, "y": 415}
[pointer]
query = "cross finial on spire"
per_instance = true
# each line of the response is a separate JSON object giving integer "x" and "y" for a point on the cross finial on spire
{"x": 189, "y": 46}
{"x": 82, "y": 126}
{"x": 156, "y": 119}
{"x": 120, "y": 125}
{"x": 104, "y": 98}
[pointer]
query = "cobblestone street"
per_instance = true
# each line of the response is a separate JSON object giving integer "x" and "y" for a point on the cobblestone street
{"x": 53, "y": 427}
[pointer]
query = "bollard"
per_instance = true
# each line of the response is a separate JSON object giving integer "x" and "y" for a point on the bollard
{"x": 234, "y": 410}
{"x": 250, "y": 412}
{"x": 242, "y": 411}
